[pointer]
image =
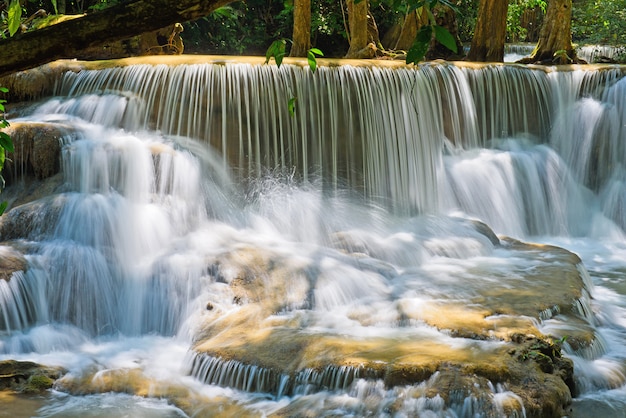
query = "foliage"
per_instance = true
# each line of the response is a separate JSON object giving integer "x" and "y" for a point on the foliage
{"x": 422, "y": 41}
{"x": 311, "y": 56}
{"x": 6, "y": 145}
{"x": 14, "y": 17}
{"x": 517, "y": 20}
{"x": 240, "y": 28}
{"x": 466, "y": 19}
{"x": 599, "y": 22}
{"x": 277, "y": 51}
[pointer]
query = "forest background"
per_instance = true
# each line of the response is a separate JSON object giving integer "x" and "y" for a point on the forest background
{"x": 248, "y": 28}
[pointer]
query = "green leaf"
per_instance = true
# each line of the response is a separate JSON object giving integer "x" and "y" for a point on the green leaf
{"x": 445, "y": 38}
{"x": 226, "y": 12}
{"x": 3, "y": 206}
{"x": 14, "y": 17}
{"x": 420, "y": 46}
{"x": 311, "y": 57}
{"x": 54, "y": 4}
{"x": 292, "y": 106}
{"x": 412, "y": 5}
{"x": 276, "y": 51}
{"x": 4, "y": 90}
{"x": 5, "y": 142}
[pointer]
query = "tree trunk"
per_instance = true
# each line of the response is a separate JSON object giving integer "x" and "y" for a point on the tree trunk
{"x": 490, "y": 32}
{"x": 357, "y": 24}
{"x": 122, "y": 21}
{"x": 555, "y": 39}
{"x": 301, "y": 28}
{"x": 412, "y": 22}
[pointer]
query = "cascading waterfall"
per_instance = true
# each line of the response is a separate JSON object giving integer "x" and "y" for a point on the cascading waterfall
{"x": 184, "y": 184}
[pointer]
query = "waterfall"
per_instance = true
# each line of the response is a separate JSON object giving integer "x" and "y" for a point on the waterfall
{"x": 308, "y": 260}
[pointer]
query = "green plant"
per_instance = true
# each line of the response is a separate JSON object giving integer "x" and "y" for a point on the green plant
{"x": 427, "y": 32}
{"x": 516, "y": 26}
{"x": 6, "y": 145}
{"x": 599, "y": 22}
{"x": 14, "y": 17}
{"x": 277, "y": 51}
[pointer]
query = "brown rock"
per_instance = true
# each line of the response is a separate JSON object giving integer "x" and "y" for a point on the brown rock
{"x": 37, "y": 151}
{"x": 11, "y": 261}
{"x": 26, "y": 376}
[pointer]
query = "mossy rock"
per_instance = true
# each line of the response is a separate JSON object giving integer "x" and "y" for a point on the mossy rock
{"x": 27, "y": 377}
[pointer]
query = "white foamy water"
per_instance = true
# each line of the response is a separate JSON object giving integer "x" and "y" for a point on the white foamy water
{"x": 179, "y": 181}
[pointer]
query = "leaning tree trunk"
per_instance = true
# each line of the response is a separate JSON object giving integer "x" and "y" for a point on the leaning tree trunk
{"x": 490, "y": 32}
{"x": 301, "y": 28}
{"x": 402, "y": 35}
{"x": 555, "y": 39}
{"x": 123, "y": 21}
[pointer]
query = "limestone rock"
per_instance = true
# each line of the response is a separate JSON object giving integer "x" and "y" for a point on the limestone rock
{"x": 37, "y": 151}
{"x": 11, "y": 261}
{"x": 27, "y": 377}
{"x": 497, "y": 342}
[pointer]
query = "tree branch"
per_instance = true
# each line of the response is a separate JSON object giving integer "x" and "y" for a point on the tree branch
{"x": 122, "y": 21}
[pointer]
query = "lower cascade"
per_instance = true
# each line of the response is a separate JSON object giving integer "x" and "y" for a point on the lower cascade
{"x": 435, "y": 241}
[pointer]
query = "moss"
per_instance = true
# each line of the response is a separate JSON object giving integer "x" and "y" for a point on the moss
{"x": 38, "y": 383}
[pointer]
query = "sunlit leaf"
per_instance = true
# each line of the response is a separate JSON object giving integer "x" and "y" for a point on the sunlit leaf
{"x": 54, "y": 4}
{"x": 292, "y": 105}
{"x": 4, "y": 90}
{"x": 14, "y": 17}
{"x": 445, "y": 38}
{"x": 276, "y": 51}
{"x": 312, "y": 59}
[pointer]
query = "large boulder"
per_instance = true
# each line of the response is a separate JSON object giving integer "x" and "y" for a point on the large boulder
{"x": 492, "y": 338}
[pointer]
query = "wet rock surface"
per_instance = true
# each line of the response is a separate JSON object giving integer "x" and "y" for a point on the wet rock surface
{"x": 11, "y": 261}
{"x": 492, "y": 340}
{"x": 27, "y": 377}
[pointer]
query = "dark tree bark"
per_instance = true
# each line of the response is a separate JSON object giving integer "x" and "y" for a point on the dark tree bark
{"x": 123, "y": 21}
{"x": 555, "y": 39}
{"x": 301, "y": 28}
{"x": 490, "y": 32}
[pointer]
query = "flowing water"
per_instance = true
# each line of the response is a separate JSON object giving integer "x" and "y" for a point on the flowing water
{"x": 170, "y": 170}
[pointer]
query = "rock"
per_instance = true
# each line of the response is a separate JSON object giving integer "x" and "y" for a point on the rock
{"x": 27, "y": 377}
{"x": 11, "y": 261}
{"x": 33, "y": 221}
{"x": 37, "y": 151}
{"x": 494, "y": 339}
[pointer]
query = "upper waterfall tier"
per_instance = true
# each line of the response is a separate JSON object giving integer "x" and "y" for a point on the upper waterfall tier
{"x": 382, "y": 130}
